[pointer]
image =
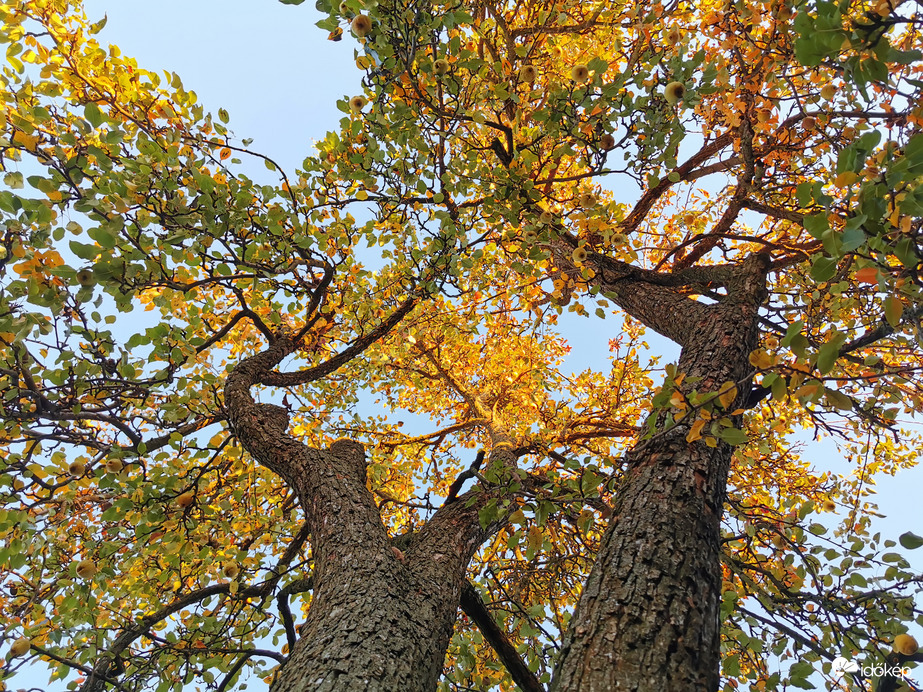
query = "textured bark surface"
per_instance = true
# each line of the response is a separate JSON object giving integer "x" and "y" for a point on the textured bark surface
{"x": 379, "y": 620}
{"x": 648, "y": 618}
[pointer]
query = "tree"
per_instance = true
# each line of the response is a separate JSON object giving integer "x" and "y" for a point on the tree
{"x": 175, "y": 482}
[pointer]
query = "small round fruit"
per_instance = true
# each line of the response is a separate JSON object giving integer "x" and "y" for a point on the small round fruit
{"x": 530, "y": 237}
{"x": 230, "y": 570}
{"x": 579, "y": 255}
{"x": 828, "y": 91}
{"x": 587, "y": 199}
{"x": 114, "y": 466}
{"x": 528, "y": 73}
{"x": 546, "y": 217}
{"x": 186, "y": 499}
{"x": 357, "y": 103}
{"x": 20, "y": 647}
{"x": 85, "y": 278}
{"x": 441, "y": 66}
{"x": 674, "y": 92}
{"x": 607, "y": 142}
{"x": 76, "y": 468}
{"x": 86, "y": 569}
{"x": 905, "y": 644}
{"x": 580, "y": 73}
{"x": 361, "y": 25}
{"x": 808, "y": 122}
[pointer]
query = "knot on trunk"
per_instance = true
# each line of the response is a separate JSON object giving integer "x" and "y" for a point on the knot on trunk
{"x": 273, "y": 418}
{"x": 349, "y": 454}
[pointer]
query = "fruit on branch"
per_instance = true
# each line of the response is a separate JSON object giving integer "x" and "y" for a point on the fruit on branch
{"x": 85, "y": 278}
{"x": 580, "y": 73}
{"x": 186, "y": 499}
{"x": 528, "y": 73}
{"x": 905, "y": 644}
{"x": 86, "y": 569}
{"x": 674, "y": 92}
{"x": 361, "y": 25}
{"x": 441, "y": 66}
{"x": 76, "y": 468}
{"x": 357, "y": 103}
{"x": 20, "y": 647}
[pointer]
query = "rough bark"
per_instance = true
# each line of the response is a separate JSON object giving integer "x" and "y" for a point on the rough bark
{"x": 379, "y": 619}
{"x": 648, "y": 617}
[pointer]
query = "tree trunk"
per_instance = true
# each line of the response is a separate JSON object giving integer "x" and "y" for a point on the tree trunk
{"x": 380, "y": 618}
{"x": 648, "y": 617}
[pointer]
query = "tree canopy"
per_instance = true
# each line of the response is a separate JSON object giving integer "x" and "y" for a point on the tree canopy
{"x": 204, "y": 475}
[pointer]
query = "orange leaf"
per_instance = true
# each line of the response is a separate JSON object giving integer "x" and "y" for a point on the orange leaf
{"x": 867, "y": 275}
{"x": 224, "y": 153}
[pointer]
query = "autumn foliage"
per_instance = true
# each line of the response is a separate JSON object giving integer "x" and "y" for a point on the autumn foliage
{"x": 509, "y": 178}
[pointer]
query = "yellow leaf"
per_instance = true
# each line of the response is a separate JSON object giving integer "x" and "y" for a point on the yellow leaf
{"x": 695, "y": 432}
{"x": 678, "y": 400}
{"x": 760, "y": 359}
{"x": 30, "y": 142}
{"x": 893, "y": 310}
{"x": 728, "y": 394}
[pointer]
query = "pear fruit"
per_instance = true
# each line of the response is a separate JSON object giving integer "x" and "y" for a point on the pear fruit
{"x": 528, "y": 73}
{"x": 579, "y": 255}
{"x": 905, "y": 644}
{"x": 85, "y": 278}
{"x": 441, "y": 66}
{"x": 20, "y": 647}
{"x": 230, "y": 570}
{"x": 674, "y": 92}
{"x": 76, "y": 468}
{"x": 580, "y": 73}
{"x": 185, "y": 499}
{"x": 86, "y": 569}
{"x": 607, "y": 142}
{"x": 361, "y": 25}
{"x": 114, "y": 466}
{"x": 357, "y": 103}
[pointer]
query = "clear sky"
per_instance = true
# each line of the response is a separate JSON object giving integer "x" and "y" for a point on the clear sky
{"x": 273, "y": 70}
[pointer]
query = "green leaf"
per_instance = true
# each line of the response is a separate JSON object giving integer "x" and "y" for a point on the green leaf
{"x": 83, "y": 250}
{"x": 816, "y": 224}
{"x": 733, "y": 436}
{"x": 829, "y": 352}
{"x": 823, "y": 268}
{"x": 93, "y": 115}
{"x": 911, "y": 541}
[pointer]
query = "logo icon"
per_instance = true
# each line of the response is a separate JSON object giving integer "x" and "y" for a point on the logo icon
{"x": 844, "y": 665}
